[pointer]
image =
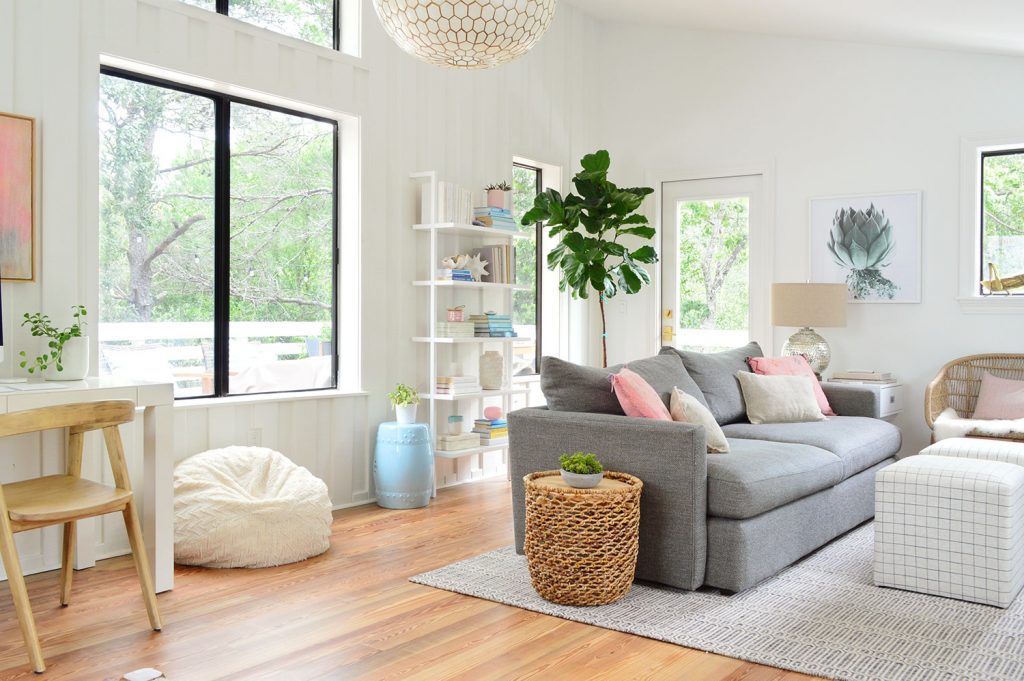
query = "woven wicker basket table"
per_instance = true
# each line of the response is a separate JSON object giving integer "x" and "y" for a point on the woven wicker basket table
{"x": 581, "y": 544}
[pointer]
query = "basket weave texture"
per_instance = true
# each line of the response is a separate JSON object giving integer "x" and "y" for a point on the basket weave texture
{"x": 581, "y": 544}
{"x": 958, "y": 383}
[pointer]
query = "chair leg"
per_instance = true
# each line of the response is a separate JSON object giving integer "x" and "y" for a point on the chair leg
{"x": 67, "y": 564}
{"x": 16, "y": 583}
{"x": 131, "y": 523}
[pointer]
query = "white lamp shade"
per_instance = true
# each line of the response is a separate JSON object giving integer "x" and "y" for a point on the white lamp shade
{"x": 815, "y": 305}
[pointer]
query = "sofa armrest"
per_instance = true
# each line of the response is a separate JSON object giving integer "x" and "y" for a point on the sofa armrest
{"x": 848, "y": 399}
{"x": 670, "y": 458}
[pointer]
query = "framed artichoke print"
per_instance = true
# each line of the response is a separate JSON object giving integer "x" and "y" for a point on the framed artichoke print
{"x": 870, "y": 242}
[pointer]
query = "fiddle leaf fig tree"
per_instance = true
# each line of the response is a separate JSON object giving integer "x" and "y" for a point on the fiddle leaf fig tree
{"x": 592, "y": 226}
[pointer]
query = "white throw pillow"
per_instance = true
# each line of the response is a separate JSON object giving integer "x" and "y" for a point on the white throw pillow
{"x": 779, "y": 399}
{"x": 686, "y": 409}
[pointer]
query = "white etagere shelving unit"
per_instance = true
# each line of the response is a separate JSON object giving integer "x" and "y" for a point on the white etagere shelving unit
{"x": 448, "y": 238}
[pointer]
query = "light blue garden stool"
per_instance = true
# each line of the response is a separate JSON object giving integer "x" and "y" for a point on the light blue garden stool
{"x": 403, "y": 465}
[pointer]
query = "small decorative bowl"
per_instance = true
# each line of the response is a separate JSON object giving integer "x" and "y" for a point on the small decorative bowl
{"x": 581, "y": 480}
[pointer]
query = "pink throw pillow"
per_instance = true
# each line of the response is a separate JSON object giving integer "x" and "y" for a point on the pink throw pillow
{"x": 794, "y": 365}
{"x": 637, "y": 397}
{"x": 999, "y": 398}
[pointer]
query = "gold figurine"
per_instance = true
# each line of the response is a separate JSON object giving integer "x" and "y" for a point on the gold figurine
{"x": 997, "y": 284}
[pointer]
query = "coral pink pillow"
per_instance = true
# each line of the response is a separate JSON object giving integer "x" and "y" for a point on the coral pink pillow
{"x": 637, "y": 397}
{"x": 794, "y": 365}
{"x": 999, "y": 398}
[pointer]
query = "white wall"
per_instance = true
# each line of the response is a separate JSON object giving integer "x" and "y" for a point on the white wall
{"x": 833, "y": 118}
{"x": 468, "y": 126}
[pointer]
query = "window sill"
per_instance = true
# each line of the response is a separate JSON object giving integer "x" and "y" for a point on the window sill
{"x": 991, "y": 304}
{"x": 238, "y": 400}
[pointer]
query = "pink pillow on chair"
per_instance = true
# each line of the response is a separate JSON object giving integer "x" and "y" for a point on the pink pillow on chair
{"x": 794, "y": 365}
{"x": 637, "y": 397}
{"x": 999, "y": 398}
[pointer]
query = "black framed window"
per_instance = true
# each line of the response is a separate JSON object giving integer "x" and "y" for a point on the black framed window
{"x": 315, "y": 21}
{"x": 1002, "y": 217}
{"x": 218, "y": 240}
{"x": 527, "y": 183}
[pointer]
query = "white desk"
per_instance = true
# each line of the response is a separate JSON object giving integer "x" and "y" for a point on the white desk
{"x": 157, "y": 489}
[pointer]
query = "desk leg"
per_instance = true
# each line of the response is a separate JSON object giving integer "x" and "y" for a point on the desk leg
{"x": 158, "y": 513}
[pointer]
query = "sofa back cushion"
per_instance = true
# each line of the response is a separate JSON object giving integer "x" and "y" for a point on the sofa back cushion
{"x": 572, "y": 387}
{"x": 715, "y": 375}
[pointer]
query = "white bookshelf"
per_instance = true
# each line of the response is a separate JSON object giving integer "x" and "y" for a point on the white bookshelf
{"x": 443, "y": 239}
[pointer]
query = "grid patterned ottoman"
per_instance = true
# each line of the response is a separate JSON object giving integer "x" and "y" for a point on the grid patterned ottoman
{"x": 978, "y": 448}
{"x": 951, "y": 527}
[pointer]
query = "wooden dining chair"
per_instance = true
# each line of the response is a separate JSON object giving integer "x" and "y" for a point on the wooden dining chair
{"x": 65, "y": 499}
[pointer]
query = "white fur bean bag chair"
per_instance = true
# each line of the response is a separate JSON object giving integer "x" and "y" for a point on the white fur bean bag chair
{"x": 248, "y": 507}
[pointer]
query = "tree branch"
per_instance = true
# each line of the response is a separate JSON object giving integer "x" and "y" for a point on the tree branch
{"x": 179, "y": 229}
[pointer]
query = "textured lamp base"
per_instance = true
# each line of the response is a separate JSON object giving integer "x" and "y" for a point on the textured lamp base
{"x": 807, "y": 342}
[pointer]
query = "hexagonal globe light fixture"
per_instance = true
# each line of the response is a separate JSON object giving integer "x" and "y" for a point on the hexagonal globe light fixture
{"x": 468, "y": 34}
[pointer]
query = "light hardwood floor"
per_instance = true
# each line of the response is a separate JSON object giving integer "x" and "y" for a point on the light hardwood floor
{"x": 349, "y": 614}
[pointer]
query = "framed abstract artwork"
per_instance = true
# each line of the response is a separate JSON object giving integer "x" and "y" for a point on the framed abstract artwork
{"x": 17, "y": 197}
{"x": 871, "y": 243}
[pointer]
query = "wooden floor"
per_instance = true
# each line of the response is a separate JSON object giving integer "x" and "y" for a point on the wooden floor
{"x": 348, "y": 614}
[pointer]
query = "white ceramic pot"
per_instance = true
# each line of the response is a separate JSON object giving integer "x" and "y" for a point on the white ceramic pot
{"x": 74, "y": 361}
{"x": 405, "y": 413}
{"x": 581, "y": 480}
{"x": 492, "y": 370}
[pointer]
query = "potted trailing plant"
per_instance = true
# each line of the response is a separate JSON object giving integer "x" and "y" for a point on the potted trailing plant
{"x": 496, "y": 194}
{"x": 581, "y": 470}
{"x": 592, "y": 226}
{"x": 404, "y": 400}
{"x": 67, "y": 354}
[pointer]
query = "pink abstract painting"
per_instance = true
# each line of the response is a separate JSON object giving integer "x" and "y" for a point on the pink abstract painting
{"x": 16, "y": 196}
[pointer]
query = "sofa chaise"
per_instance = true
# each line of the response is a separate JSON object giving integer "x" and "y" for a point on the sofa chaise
{"x": 728, "y": 520}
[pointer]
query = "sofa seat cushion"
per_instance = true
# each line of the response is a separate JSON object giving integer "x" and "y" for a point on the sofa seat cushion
{"x": 757, "y": 476}
{"x": 859, "y": 441}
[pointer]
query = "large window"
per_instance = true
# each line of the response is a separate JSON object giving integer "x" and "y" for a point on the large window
{"x": 1002, "y": 222}
{"x": 527, "y": 182}
{"x": 217, "y": 240}
{"x": 315, "y": 21}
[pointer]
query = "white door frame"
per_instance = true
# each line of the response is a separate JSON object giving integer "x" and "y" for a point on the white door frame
{"x": 762, "y": 243}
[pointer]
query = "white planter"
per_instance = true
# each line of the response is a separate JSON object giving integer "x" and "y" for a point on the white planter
{"x": 581, "y": 480}
{"x": 74, "y": 361}
{"x": 405, "y": 413}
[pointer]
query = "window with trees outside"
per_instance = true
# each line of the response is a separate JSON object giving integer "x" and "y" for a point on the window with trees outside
{"x": 315, "y": 21}
{"x": 218, "y": 247}
{"x": 1002, "y": 222}
{"x": 527, "y": 183}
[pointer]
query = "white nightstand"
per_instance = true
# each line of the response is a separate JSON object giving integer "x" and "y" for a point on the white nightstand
{"x": 890, "y": 397}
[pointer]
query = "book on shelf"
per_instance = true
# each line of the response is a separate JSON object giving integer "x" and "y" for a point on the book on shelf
{"x": 453, "y": 443}
{"x": 864, "y": 375}
{"x": 501, "y": 263}
{"x": 863, "y": 381}
{"x": 492, "y": 431}
{"x": 493, "y": 325}
{"x": 457, "y": 380}
{"x": 452, "y": 203}
{"x": 491, "y": 442}
{"x": 455, "y": 329}
{"x": 455, "y": 275}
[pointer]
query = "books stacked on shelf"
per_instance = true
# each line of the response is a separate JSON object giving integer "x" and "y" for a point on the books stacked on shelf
{"x": 444, "y": 274}
{"x": 501, "y": 263}
{"x": 453, "y": 443}
{"x": 457, "y": 385}
{"x": 862, "y": 376}
{"x": 499, "y": 218}
{"x": 454, "y": 204}
{"x": 491, "y": 325}
{"x": 456, "y": 329}
{"x": 492, "y": 431}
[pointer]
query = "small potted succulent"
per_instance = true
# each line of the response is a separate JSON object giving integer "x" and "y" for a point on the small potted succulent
{"x": 496, "y": 194}
{"x": 404, "y": 400}
{"x": 581, "y": 470}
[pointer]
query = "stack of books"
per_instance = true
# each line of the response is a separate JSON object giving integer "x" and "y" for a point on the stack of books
{"x": 453, "y": 443}
{"x": 455, "y": 275}
{"x": 501, "y": 263}
{"x": 457, "y": 385}
{"x": 491, "y": 325}
{"x": 456, "y": 329}
{"x": 862, "y": 376}
{"x": 499, "y": 218}
{"x": 492, "y": 432}
{"x": 453, "y": 203}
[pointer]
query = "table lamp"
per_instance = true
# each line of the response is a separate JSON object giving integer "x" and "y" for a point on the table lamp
{"x": 804, "y": 306}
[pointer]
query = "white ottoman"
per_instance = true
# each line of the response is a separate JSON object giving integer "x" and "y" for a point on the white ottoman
{"x": 951, "y": 527}
{"x": 978, "y": 448}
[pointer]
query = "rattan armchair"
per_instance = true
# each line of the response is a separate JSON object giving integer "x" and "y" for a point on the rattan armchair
{"x": 958, "y": 383}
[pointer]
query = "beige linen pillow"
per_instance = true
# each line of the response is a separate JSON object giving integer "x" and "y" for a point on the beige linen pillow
{"x": 779, "y": 399}
{"x": 686, "y": 408}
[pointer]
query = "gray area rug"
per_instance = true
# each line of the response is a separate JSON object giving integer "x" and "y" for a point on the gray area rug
{"x": 822, "y": 616}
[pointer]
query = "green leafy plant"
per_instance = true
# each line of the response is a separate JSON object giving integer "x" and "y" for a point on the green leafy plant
{"x": 41, "y": 326}
{"x": 403, "y": 396}
{"x": 582, "y": 463}
{"x": 591, "y": 254}
{"x": 502, "y": 186}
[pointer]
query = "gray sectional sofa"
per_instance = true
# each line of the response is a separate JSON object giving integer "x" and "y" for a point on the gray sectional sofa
{"x": 724, "y": 520}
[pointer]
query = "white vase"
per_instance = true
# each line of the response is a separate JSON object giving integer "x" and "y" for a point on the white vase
{"x": 492, "y": 370}
{"x": 405, "y": 413}
{"x": 74, "y": 361}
